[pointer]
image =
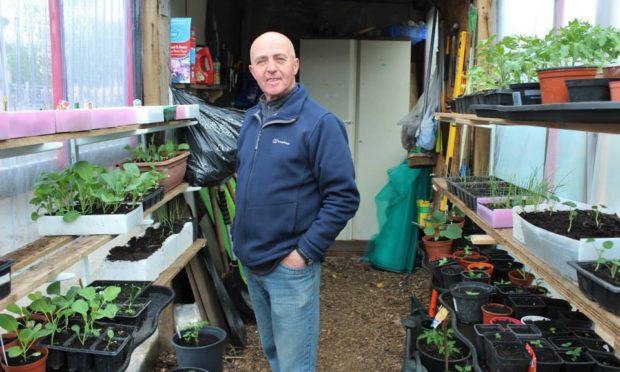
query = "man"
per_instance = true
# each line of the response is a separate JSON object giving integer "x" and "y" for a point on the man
{"x": 295, "y": 192}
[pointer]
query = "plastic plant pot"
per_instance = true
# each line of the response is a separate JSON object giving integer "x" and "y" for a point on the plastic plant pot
{"x": 566, "y": 342}
{"x": 436, "y": 248}
{"x": 581, "y": 363}
{"x": 466, "y": 261}
{"x": 504, "y": 290}
{"x": 460, "y": 254}
{"x": 526, "y": 305}
{"x": 484, "y": 266}
{"x": 585, "y": 333}
{"x": 502, "y": 269}
{"x": 523, "y": 278}
{"x": 436, "y": 265}
{"x": 494, "y": 310}
{"x": 552, "y": 328}
{"x": 523, "y": 331}
{"x": 574, "y": 319}
{"x": 588, "y": 90}
{"x": 614, "y": 89}
{"x": 481, "y": 330}
{"x": 468, "y": 298}
{"x": 207, "y": 356}
{"x": 503, "y": 321}
{"x": 547, "y": 359}
{"x": 554, "y": 306}
{"x": 596, "y": 344}
{"x": 605, "y": 362}
{"x": 508, "y": 356}
{"x": 435, "y": 362}
{"x": 451, "y": 274}
{"x": 475, "y": 276}
{"x": 502, "y": 335}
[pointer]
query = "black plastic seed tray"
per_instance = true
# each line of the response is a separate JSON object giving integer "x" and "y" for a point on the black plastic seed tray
{"x": 575, "y": 112}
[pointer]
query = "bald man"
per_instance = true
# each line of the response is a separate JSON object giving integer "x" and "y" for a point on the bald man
{"x": 295, "y": 192}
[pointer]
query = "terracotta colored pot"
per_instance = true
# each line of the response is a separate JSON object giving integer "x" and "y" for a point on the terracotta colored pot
{"x": 504, "y": 319}
{"x": 516, "y": 278}
{"x": 37, "y": 366}
{"x": 552, "y": 81}
{"x": 483, "y": 266}
{"x": 460, "y": 254}
{"x": 457, "y": 220}
{"x": 437, "y": 248}
{"x": 466, "y": 261}
{"x": 173, "y": 169}
{"x": 614, "y": 89}
{"x": 611, "y": 72}
{"x": 494, "y": 310}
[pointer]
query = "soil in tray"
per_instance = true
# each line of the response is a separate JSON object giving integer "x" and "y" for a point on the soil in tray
{"x": 203, "y": 340}
{"x": 139, "y": 248}
{"x": 126, "y": 310}
{"x": 108, "y": 346}
{"x": 603, "y": 273}
{"x": 496, "y": 309}
{"x": 510, "y": 351}
{"x": 122, "y": 209}
{"x": 584, "y": 224}
{"x": 546, "y": 355}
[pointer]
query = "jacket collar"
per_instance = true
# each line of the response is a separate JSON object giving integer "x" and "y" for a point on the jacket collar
{"x": 291, "y": 109}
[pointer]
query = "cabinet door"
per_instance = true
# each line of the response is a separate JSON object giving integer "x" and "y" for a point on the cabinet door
{"x": 383, "y": 100}
{"x": 328, "y": 69}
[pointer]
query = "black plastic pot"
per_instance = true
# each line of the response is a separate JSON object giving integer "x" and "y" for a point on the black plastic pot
{"x": 152, "y": 198}
{"x": 468, "y": 298}
{"x": 597, "y": 345}
{"x": 79, "y": 358}
{"x": 5, "y": 277}
{"x": 526, "y": 305}
{"x": 574, "y": 319}
{"x": 588, "y": 90}
{"x": 566, "y": 342}
{"x": 523, "y": 331}
{"x": 125, "y": 286}
{"x": 584, "y": 363}
{"x": 437, "y": 364}
{"x": 483, "y": 276}
{"x": 502, "y": 291}
{"x": 138, "y": 317}
{"x": 501, "y": 269}
{"x": 526, "y": 94}
{"x": 436, "y": 270}
{"x": 110, "y": 360}
{"x": 552, "y": 328}
{"x": 554, "y": 306}
{"x": 595, "y": 288}
{"x": 547, "y": 359}
{"x": 481, "y": 330}
{"x": 208, "y": 357}
{"x": 605, "y": 362}
{"x": 499, "y": 97}
{"x": 501, "y": 358}
{"x": 451, "y": 275}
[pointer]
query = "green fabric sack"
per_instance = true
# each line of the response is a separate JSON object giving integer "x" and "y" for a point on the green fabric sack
{"x": 394, "y": 247}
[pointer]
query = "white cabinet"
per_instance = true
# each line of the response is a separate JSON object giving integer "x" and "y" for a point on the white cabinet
{"x": 366, "y": 84}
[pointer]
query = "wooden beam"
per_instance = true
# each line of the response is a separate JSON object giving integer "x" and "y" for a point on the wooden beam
{"x": 205, "y": 293}
{"x": 155, "y": 52}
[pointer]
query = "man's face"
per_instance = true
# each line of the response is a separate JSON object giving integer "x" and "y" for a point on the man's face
{"x": 273, "y": 64}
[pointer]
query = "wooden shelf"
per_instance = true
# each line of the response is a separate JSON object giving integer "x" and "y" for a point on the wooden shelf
{"x": 607, "y": 325}
{"x": 106, "y": 133}
{"x": 474, "y": 120}
{"x": 166, "y": 276}
{"x": 201, "y": 87}
{"x": 60, "y": 252}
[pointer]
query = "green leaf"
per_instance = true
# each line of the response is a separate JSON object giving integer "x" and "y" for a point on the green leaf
{"x": 80, "y": 306}
{"x": 8, "y": 322}
{"x": 53, "y": 288}
{"x": 110, "y": 293}
{"x": 15, "y": 309}
{"x": 14, "y": 351}
{"x": 71, "y": 216}
{"x": 452, "y": 231}
{"x": 608, "y": 244}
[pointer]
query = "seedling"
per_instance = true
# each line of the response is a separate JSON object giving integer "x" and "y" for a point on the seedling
{"x": 572, "y": 213}
{"x": 498, "y": 336}
{"x": 536, "y": 343}
{"x": 443, "y": 261}
{"x": 613, "y": 267}
{"x": 597, "y": 211}
{"x": 436, "y": 337}
{"x": 465, "y": 368}
{"x": 472, "y": 293}
{"x": 467, "y": 251}
{"x": 574, "y": 354}
{"x": 523, "y": 273}
{"x": 601, "y": 260}
{"x": 502, "y": 282}
{"x": 437, "y": 227}
{"x": 27, "y": 336}
{"x": 474, "y": 274}
{"x": 109, "y": 340}
{"x": 191, "y": 331}
{"x": 552, "y": 329}
{"x": 566, "y": 344}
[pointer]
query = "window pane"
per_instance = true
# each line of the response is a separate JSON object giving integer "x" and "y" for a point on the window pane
{"x": 95, "y": 51}
{"x": 25, "y": 54}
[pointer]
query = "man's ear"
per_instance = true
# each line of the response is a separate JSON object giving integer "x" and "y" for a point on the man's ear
{"x": 296, "y": 63}
{"x": 251, "y": 68}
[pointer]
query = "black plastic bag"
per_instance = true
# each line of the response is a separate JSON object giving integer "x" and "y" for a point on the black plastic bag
{"x": 212, "y": 142}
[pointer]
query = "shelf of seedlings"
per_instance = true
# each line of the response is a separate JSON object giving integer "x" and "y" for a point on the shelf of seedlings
{"x": 42, "y": 260}
{"x": 606, "y": 324}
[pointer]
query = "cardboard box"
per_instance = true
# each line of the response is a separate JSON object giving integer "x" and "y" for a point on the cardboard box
{"x": 180, "y": 50}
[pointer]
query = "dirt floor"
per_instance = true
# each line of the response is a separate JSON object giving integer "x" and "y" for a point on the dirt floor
{"x": 361, "y": 309}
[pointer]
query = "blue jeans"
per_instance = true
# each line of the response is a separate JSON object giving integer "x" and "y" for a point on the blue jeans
{"x": 286, "y": 305}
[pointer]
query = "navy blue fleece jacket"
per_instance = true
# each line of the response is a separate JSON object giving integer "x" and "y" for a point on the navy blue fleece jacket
{"x": 295, "y": 182}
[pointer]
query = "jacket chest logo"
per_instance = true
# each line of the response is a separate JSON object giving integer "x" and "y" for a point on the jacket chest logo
{"x": 276, "y": 141}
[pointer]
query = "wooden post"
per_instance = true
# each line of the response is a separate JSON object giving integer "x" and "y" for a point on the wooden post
{"x": 482, "y": 136}
{"x": 155, "y": 51}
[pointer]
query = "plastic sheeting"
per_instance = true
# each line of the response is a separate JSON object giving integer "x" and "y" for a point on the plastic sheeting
{"x": 212, "y": 142}
{"x": 394, "y": 247}
{"x": 419, "y": 125}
